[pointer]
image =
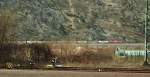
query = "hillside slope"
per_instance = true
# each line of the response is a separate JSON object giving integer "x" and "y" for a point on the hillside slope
{"x": 78, "y": 19}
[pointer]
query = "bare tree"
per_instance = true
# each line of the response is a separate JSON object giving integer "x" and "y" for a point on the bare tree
{"x": 7, "y": 25}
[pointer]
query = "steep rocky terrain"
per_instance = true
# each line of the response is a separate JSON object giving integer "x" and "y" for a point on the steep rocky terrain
{"x": 78, "y": 19}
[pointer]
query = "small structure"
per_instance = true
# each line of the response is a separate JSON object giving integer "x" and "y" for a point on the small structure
{"x": 123, "y": 53}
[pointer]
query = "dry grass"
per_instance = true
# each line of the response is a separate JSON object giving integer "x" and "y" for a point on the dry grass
{"x": 68, "y": 54}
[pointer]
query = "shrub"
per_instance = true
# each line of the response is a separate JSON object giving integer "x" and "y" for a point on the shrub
{"x": 9, "y": 65}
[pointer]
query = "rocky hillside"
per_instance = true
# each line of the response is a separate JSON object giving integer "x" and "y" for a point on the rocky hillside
{"x": 78, "y": 19}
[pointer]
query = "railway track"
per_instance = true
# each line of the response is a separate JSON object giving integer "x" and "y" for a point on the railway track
{"x": 87, "y": 69}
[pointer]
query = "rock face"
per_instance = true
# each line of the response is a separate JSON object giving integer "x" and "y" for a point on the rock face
{"x": 78, "y": 19}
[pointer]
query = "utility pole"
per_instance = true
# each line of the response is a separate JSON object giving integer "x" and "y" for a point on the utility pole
{"x": 146, "y": 24}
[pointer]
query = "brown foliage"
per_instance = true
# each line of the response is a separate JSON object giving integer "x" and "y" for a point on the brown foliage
{"x": 7, "y": 25}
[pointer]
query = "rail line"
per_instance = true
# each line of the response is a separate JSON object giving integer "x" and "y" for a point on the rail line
{"x": 92, "y": 69}
{"x": 126, "y": 70}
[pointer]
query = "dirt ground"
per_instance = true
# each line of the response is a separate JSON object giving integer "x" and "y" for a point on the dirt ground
{"x": 46, "y": 73}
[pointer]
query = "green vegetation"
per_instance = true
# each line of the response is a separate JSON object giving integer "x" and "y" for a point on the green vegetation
{"x": 79, "y": 19}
